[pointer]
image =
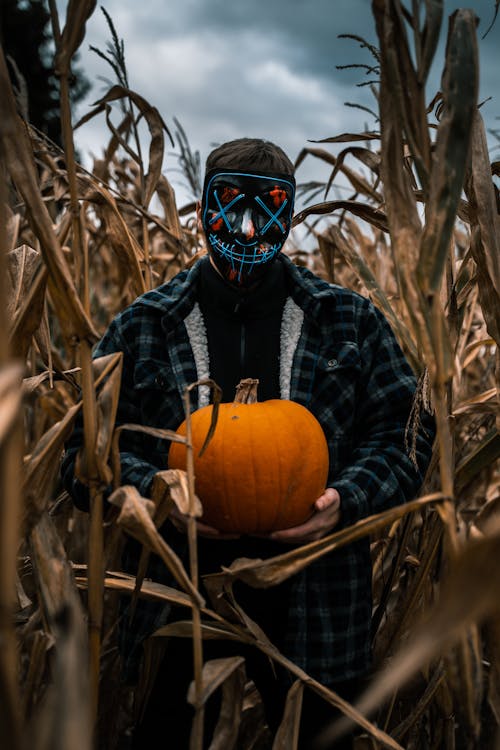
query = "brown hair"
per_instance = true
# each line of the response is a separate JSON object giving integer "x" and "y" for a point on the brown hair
{"x": 250, "y": 153}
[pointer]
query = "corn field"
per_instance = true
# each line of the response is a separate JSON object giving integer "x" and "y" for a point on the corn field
{"x": 419, "y": 235}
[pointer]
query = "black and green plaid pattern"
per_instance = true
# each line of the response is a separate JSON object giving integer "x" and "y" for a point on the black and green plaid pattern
{"x": 350, "y": 372}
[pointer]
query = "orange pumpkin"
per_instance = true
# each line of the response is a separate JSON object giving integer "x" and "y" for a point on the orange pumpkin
{"x": 266, "y": 464}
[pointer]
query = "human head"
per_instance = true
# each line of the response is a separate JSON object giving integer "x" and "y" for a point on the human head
{"x": 247, "y": 207}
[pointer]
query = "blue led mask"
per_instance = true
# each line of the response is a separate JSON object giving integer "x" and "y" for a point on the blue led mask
{"x": 247, "y": 218}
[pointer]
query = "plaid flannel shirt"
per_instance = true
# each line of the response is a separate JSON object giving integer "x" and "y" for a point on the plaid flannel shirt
{"x": 349, "y": 370}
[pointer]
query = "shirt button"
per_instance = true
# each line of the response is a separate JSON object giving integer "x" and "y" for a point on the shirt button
{"x": 332, "y": 363}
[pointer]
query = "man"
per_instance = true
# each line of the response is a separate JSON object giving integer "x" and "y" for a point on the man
{"x": 245, "y": 310}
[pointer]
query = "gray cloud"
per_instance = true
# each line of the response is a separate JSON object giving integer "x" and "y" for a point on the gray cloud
{"x": 266, "y": 68}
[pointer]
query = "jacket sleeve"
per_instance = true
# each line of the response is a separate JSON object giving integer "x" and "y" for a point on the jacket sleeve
{"x": 138, "y": 465}
{"x": 382, "y": 472}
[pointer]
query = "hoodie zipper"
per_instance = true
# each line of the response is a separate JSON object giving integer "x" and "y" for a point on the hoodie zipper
{"x": 242, "y": 349}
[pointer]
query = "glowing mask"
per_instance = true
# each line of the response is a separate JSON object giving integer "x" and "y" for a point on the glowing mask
{"x": 247, "y": 218}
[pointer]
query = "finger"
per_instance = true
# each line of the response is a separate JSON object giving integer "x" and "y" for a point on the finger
{"x": 209, "y": 531}
{"x": 309, "y": 531}
{"x": 304, "y": 539}
{"x": 179, "y": 525}
{"x": 296, "y": 533}
{"x": 329, "y": 497}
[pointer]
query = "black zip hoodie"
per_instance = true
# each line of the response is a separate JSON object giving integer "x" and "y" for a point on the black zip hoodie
{"x": 243, "y": 329}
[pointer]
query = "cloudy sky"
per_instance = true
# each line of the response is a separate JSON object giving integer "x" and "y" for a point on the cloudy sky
{"x": 266, "y": 68}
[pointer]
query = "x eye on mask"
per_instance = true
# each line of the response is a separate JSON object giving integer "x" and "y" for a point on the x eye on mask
{"x": 247, "y": 218}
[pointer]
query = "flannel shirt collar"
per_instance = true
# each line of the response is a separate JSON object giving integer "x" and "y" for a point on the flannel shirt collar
{"x": 307, "y": 291}
{"x": 177, "y": 298}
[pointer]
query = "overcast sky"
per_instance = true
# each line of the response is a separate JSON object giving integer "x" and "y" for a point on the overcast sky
{"x": 265, "y": 68}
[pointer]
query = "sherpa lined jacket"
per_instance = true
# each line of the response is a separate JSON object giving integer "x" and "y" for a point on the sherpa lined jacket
{"x": 340, "y": 359}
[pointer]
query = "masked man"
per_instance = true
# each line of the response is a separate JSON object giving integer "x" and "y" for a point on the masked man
{"x": 246, "y": 311}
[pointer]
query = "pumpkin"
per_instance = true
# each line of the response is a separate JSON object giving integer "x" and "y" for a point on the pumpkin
{"x": 265, "y": 466}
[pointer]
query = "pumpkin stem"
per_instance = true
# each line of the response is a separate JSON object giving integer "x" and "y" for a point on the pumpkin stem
{"x": 246, "y": 391}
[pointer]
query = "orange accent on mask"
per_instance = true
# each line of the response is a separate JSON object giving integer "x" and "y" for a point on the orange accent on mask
{"x": 228, "y": 194}
{"x": 278, "y": 195}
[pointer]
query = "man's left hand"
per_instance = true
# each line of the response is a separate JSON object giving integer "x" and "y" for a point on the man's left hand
{"x": 324, "y": 519}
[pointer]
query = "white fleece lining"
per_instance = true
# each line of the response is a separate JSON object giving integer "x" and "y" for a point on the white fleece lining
{"x": 197, "y": 334}
{"x": 291, "y": 327}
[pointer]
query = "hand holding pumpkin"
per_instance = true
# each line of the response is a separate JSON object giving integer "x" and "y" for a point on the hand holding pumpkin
{"x": 324, "y": 519}
{"x": 266, "y": 463}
